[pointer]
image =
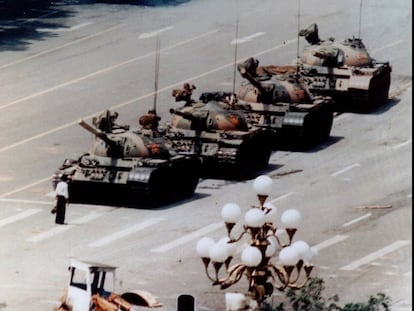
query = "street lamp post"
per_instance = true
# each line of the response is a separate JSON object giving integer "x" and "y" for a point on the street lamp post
{"x": 292, "y": 268}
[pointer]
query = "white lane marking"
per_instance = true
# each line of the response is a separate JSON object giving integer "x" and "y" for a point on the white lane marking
{"x": 49, "y": 233}
{"x": 154, "y": 33}
{"x": 60, "y": 47}
{"x": 25, "y": 187}
{"x": 120, "y": 234}
{"x": 187, "y": 238}
{"x": 387, "y": 46}
{"x": 281, "y": 197}
{"x": 62, "y": 228}
{"x": 330, "y": 242}
{"x": 247, "y": 38}
{"x": 375, "y": 255}
{"x": 26, "y": 201}
{"x": 402, "y": 144}
{"x": 87, "y": 218}
{"x": 76, "y": 27}
{"x": 345, "y": 169}
{"x": 356, "y": 220}
{"x": 79, "y": 26}
{"x": 19, "y": 216}
{"x": 103, "y": 70}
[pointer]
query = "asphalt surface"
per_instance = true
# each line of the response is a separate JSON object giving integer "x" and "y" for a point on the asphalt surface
{"x": 68, "y": 61}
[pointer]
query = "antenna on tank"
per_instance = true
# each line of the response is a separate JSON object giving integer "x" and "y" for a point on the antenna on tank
{"x": 360, "y": 18}
{"x": 297, "y": 44}
{"x": 157, "y": 68}
{"x": 235, "y": 54}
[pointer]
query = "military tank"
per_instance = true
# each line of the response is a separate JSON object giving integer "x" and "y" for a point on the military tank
{"x": 128, "y": 167}
{"x": 228, "y": 146}
{"x": 345, "y": 71}
{"x": 276, "y": 97}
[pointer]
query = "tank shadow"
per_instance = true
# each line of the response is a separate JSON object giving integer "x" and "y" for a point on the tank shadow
{"x": 387, "y": 106}
{"x": 142, "y": 203}
{"x": 286, "y": 146}
{"x": 344, "y": 108}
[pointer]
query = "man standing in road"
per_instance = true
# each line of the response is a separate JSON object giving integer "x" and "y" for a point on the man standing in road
{"x": 62, "y": 197}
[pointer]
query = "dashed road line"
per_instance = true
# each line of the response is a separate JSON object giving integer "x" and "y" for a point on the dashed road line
{"x": 50, "y": 233}
{"x": 19, "y": 216}
{"x": 120, "y": 234}
{"x": 60, "y": 47}
{"x": 24, "y": 187}
{"x": 154, "y": 33}
{"x": 19, "y": 201}
{"x": 187, "y": 238}
{"x": 348, "y": 168}
{"x": 375, "y": 255}
{"x": 282, "y": 197}
{"x": 330, "y": 242}
{"x": 62, "y": 228}
{"x": 76, "y": 27}
{"x": 402, "y": 144}
{"x": 247, "y": 38}
{"x": 103, "y": 70}
{"x": 356, "y": 220}
{"x": 133, "y": 100}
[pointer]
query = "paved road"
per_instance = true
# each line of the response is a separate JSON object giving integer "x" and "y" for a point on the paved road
{"x": 73, "y": 61}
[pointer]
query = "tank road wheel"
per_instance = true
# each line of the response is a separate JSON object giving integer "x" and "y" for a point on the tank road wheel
{"x": 189, "y": 175}
{"x": 323, "y": 124}
{"x": 254, "y": 155}
{"x": 159, "y": 191}
{"x": 377, "y": 94}
{"x": 245, "y": 166}
{"x": 171, "y": 183}
{"x": 263, "y": 151}
{"x": 291, "y": 133}
{"x": 383, "y": 89}
{"x": 317, "y": 127}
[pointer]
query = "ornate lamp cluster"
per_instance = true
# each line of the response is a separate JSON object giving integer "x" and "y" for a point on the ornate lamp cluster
{"x": 292, "y": 268}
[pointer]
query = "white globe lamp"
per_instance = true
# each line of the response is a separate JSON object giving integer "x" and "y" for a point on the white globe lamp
{"x": 251, "y": 256}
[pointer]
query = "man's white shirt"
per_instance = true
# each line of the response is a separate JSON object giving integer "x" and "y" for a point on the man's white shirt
{"x": 62, "y": 189}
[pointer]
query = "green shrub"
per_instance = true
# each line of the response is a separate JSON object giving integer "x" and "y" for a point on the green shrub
{"x": 310, "y": 298}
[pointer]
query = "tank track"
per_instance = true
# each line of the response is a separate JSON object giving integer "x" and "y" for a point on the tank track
{"x": 146, "y": 186}
{"x": 376, "y": 95}
{"x": 302, "y": 130}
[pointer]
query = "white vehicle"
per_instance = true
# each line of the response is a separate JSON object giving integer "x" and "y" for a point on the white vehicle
{"x": 92, "y": 288}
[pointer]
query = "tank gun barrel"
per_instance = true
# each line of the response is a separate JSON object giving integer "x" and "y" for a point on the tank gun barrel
{"x": 185, "y": 115}
{"x": 245, "y": 71}
{"x": 198, "y": 122}
{"x": 98, "y": 133}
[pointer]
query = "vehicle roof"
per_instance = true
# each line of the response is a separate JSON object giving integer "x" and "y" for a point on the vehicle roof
{"x": 91, "y": 265}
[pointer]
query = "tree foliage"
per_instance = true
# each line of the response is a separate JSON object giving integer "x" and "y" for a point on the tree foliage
{"x": 311, "y": 297}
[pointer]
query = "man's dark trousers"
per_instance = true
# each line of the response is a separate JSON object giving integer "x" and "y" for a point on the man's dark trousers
{"x": 60, "y": 210}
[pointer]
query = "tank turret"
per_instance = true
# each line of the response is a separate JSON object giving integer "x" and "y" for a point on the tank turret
{"x": 124, "y": 144}
{"x": 350, "y": 52}
{"x": 126, "y": 167}
{"x": 277, "y": 98}
{"x": 209, "y": 117}
{"x": 227, "y": 145}
{"x": 264, "y": 86}
{"x": 345, "y": 71}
